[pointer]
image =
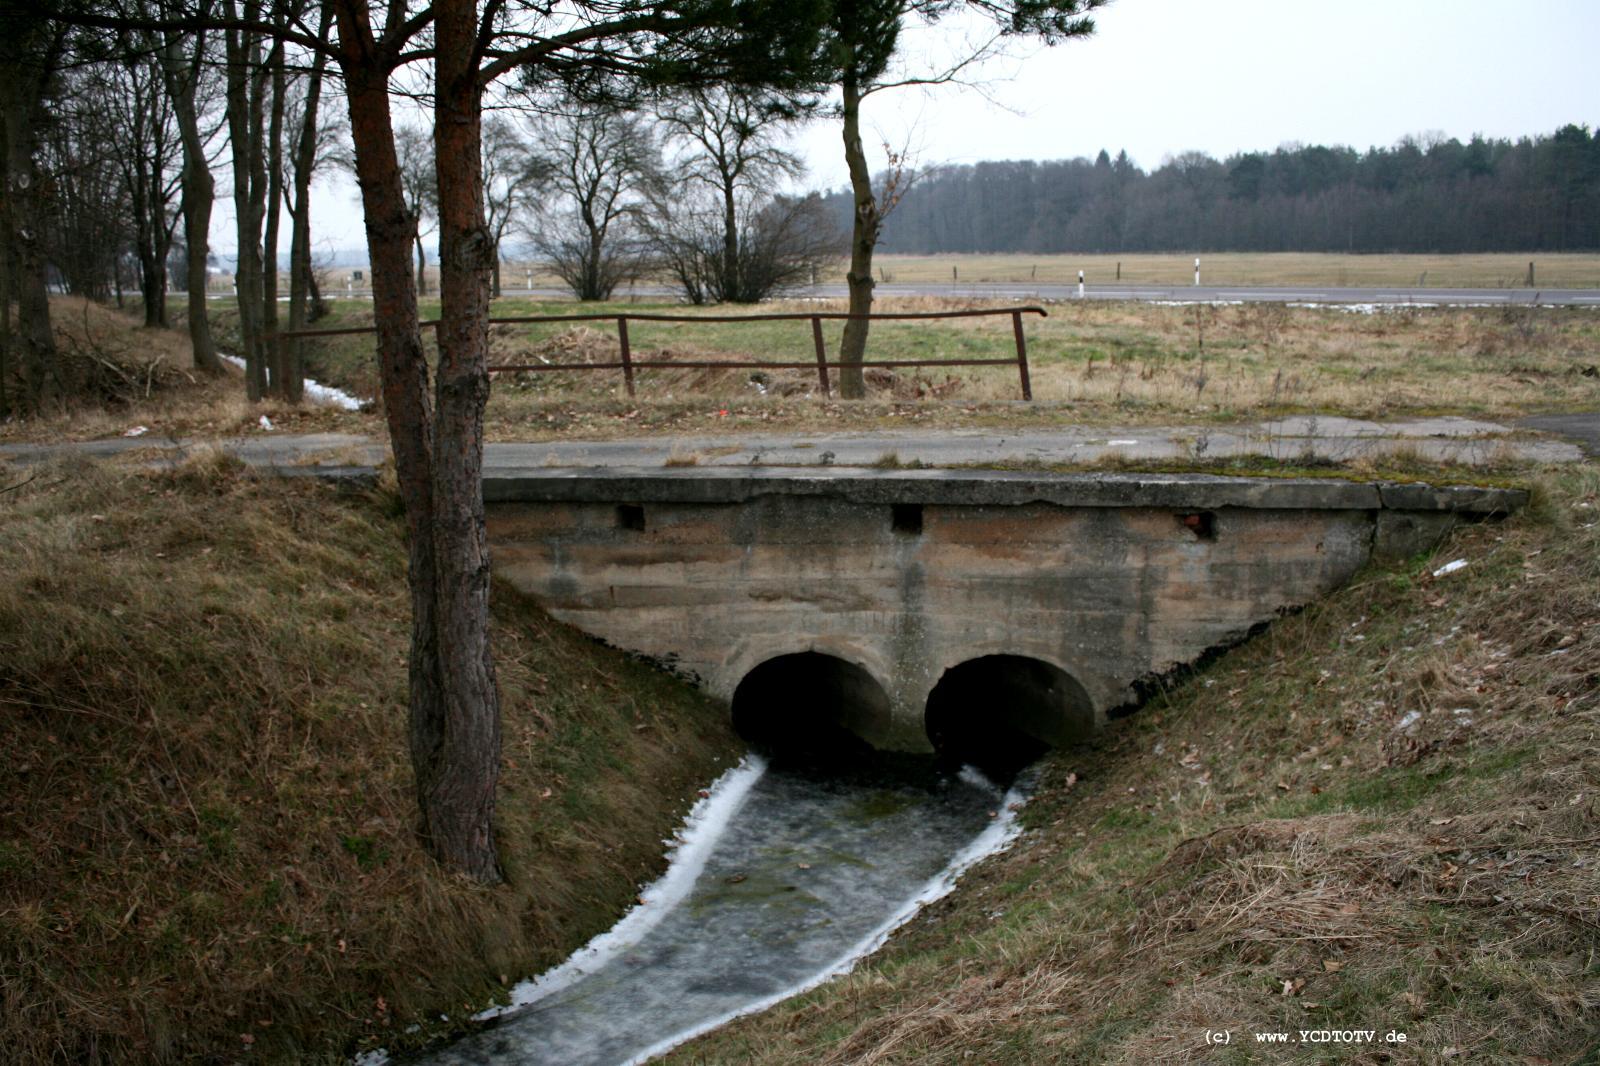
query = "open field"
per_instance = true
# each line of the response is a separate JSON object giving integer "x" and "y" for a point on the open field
{"x": 1492, "y": 270}
{"x": 1378, "y": 815}
{"x": 1485, "y": 271}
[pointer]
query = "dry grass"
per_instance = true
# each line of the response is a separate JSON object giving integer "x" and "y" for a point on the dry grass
{"x": 1381, "y": 815}
{"x": 122, "y": 376}
{"x": 1488, "y": 270}
{"x": 205, "y": 807}
{"x": 1091, "y": 362}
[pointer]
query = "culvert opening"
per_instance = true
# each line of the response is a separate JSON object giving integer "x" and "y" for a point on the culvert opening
{"x": 810, "y": 707}
{"x": 1001, "y": 712}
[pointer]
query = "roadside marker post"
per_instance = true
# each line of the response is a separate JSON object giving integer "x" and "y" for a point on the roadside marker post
{"x": 1197, "y": 271}
{"x": 1080, "y": 284}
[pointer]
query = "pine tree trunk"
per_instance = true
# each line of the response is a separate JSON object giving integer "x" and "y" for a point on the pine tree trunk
{"x": 457, "y": 776}
{"x": 454, "y": 715}
{"x": 863, "y": 239}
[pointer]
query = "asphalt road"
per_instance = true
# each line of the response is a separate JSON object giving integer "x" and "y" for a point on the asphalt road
{"x": 1023, "y": 292}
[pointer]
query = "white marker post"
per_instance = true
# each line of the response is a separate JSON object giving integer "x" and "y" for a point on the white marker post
{"x": 1197, "y": 271}
{"x": 528, "y": 276}
{"x": 1080, "y": 284}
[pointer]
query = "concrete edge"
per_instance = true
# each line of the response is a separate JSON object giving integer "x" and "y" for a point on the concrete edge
{"x": 982, "y": 488}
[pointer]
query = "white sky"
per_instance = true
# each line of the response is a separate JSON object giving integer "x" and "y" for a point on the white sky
{"x": 1165, "y": 76}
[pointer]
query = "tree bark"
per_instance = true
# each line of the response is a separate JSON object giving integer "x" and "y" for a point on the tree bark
{"x": 245, "y": 99}
{"x": 27, "y": 58}
{"x": 198, "y": 191}
{"x": 863, "y": 239}
{"x": 422, "y": 267}
{"x": 457, "y": 753}
{"x": 454, "y": 713}
{"x": 272, "y": 204}
{"x": 301, "y": 281}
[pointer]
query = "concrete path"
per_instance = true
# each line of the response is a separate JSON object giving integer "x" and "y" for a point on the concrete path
{"x": 1459, "y": 440}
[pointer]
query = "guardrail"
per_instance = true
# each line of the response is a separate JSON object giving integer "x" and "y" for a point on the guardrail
{"x": 628, "y": 365}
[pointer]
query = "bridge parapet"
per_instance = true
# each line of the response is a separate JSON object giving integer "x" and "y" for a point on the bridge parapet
{"x": 1106, "y": 581}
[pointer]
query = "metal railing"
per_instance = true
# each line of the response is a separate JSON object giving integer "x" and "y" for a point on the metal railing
{"x": 628, "y": 365}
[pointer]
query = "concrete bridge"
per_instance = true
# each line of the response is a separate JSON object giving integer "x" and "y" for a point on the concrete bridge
{"x": 953, "y": 609}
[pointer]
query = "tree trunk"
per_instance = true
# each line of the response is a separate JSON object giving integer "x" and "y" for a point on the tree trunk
{"x": 272, "y": 205}
{"x": 422, "y": 267}
{"x": 27, "y": 57}
{"x": 457, "y": 753}
{"x": 863, "y": 239}
{"x": 732, "y": 290}
{"x": 455, "y": 808}
{"x": 198, "y": 191}
{"x": 301, "y": 281}
{"x": 245, "y": 101}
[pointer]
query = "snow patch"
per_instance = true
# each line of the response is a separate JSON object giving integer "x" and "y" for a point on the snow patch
{"x": 326, "y": 395}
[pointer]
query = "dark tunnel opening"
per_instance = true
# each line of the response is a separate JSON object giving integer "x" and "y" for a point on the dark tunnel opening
{"x": 810, "y": 707}
{"x": 1002, "y": 712}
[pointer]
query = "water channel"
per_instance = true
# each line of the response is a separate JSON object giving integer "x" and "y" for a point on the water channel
{"x": 784, "y": 874}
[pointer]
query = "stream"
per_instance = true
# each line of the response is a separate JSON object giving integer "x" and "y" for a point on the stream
{"x": 782, "y": 877}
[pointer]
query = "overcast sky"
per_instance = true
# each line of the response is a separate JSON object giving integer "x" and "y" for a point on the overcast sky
{"x": 1161, "y": 77}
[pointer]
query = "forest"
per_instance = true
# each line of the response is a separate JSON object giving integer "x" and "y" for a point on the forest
{"x": 1425, "y": 194}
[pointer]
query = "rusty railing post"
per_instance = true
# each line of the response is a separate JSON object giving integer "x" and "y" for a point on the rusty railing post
{"x": 1022, "y": 354}
{"x": 822, "y": 355}
{"x": 627, "y": 354}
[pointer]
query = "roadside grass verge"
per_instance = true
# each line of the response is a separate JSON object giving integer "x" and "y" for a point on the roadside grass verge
{"x": 1378, "y": 815}
{"x": 205, "y": 805}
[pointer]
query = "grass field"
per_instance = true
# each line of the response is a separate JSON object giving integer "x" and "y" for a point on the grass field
{"x": 1486, "y": 271}
{"x": 1496, "y": 270}
{"x": 1123, "y": 363}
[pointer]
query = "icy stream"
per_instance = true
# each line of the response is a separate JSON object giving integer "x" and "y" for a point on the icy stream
{"x": 781, "y": 878}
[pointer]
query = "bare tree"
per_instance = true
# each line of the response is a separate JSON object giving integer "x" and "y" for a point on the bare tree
{"x": 603, "y": 163}
{"x": 415, "y": 151}
{"x": 780, "y": 243}
{"x": 185, "y": 66}
{"x": 315, "y": 139}
{"x": 513, "y": 173}
{"x": 730, "y": 141}
{"x": 147, "y": 152}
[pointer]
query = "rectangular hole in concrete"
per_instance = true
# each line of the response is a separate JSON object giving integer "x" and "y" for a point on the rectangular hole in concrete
{"x": 906, "y": 518}
{"x": 630, "y": 516}
{"x": 1203, "y": 524}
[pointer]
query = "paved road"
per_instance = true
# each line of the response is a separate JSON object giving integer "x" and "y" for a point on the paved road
{"x": 1459, "y": 440}
{"x": 1022, "y": 292}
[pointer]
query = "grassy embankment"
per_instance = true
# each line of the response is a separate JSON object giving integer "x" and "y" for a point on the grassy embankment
{"x": 1379, "y": 815}
{"x": 205, "y": 808}
{"x": 1092, "y": 362}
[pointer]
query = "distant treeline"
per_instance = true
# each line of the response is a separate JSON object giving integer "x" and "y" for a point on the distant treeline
{"x": 1423, "y": 195}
